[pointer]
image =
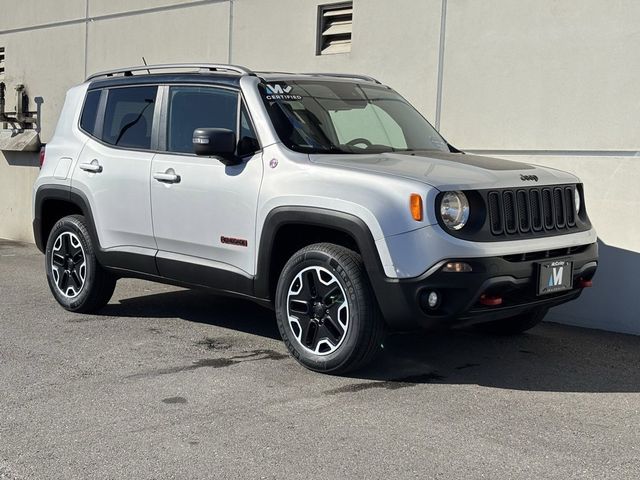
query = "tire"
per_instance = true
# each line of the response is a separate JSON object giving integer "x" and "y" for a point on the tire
{"x": 76, "y": 279}
{"x": 514, "y": 325}
{"x": 326, "y": 311}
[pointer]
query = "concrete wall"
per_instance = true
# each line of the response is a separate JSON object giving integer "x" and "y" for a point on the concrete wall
{"x": 545, "y": 81}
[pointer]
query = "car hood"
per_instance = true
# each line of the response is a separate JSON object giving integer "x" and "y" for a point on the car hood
{"x": 449, "y": 171}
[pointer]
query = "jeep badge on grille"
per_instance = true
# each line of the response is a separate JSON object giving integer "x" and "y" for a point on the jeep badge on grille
{"x": 526, "y": 178}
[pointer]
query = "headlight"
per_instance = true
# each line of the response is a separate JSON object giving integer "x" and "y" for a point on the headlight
{"x": 576, "y": 199}
{"x": 454, "y": 210}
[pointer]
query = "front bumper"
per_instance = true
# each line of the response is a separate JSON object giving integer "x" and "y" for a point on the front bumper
{"x": 511, "y": 277}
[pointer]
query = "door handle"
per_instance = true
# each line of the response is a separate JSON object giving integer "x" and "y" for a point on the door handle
{"x": 169, "y": 176}
{"x": 93, "y": 167}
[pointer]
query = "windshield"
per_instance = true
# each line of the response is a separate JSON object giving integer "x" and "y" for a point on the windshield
{"x": 340, "y": 117}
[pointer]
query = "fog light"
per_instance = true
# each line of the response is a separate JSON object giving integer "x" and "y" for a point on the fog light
{"x": 457, "y": 267}
{"x": 433, "y": 299}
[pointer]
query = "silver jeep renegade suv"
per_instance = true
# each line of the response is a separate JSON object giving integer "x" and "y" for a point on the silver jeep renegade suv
{"x": 327, "y": 197}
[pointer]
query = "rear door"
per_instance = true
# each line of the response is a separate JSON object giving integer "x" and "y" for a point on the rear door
{"x": 114, "y": 166}
{"x": 206, "y": 216}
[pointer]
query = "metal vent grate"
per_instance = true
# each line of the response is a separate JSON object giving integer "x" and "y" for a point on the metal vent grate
{"x": 335, "y": 24}
{"x": 494, "y": 213}
{"x": 523, "y": 211}
{"x": 571, "y": 208}
{"x": 536, "y": 210}
{"x": 547, "y": 208}
{"x": 558, "y": 201}
{"x": 509, "y": 206}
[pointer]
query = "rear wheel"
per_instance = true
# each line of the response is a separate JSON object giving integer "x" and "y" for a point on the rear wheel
{"x": 76, "y": 279}
{"x": 514, "y": 325}
{"x": 326, "y": 311}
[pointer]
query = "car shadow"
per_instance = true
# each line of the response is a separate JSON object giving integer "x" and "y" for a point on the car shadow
{"x": 201, "y": 307}
{"x": 551, "y": 357}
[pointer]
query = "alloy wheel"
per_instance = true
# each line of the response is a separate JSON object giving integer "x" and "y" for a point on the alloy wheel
{"x": 68, "y": 264}
{"x": 318, "y": 310}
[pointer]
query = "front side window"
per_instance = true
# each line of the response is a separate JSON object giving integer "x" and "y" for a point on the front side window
{"x": 198, "y": 107}
{"x": 343, "y": 117}
{"x": 129, "y": 116}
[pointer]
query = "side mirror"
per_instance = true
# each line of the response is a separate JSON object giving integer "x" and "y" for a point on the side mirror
{"x": 215, "y": 142}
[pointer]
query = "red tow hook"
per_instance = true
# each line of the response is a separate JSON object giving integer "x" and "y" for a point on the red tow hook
{"x": 490, "y": 301}
{"x": 585, "y": 283}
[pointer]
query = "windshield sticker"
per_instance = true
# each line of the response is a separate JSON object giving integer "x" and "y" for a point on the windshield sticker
{"x": 279, "y": 92}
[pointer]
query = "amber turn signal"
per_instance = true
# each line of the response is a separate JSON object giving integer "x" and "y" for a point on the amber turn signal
{"x": 415, "y": 202}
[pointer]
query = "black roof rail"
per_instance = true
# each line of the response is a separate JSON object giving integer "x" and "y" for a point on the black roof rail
{"x": 337, "y": 75}
{"x": 201, "y": 67}
{"x": 346, "y": 75}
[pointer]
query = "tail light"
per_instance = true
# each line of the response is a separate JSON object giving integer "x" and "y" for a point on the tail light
{"x": 42, "y": 149}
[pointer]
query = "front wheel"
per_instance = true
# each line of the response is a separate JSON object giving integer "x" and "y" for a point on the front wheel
{"x": 76, "y": 279}
{"x": 326, "y": 311}
{"x": 514, "y": 325}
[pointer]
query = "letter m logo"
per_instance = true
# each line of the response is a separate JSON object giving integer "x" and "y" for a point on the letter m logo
{"x": 277, "y": 89}
{"x": 555, "y": 278}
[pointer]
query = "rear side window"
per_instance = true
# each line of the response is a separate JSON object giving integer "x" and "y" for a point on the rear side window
{"x": 129, "y": 116}
{"x": 90, "y": 111}
{"x": 198, "y": 107}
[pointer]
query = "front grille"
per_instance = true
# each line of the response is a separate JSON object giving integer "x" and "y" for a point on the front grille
{"x": 519, "y": 211}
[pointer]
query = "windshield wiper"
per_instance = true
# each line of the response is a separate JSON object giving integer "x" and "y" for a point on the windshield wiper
{"x": 320, "y": 150}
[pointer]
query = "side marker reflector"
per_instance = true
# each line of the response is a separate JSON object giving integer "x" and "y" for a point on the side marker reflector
{"x": 585, "y": 283}
{"x": 415, "y": 203}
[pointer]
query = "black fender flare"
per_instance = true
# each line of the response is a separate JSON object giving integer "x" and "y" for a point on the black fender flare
{"x": 63, "y": 193}
{"x": 319, "y": 217}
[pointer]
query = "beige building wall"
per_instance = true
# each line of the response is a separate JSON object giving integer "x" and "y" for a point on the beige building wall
{"x": 544, "y": 81}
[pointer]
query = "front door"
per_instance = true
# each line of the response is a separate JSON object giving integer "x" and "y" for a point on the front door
{"x": 203, "y": 211}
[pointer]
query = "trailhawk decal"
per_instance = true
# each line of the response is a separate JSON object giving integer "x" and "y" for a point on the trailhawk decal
{"x": 278, "y": 92}
{"x": 240, "y": 242}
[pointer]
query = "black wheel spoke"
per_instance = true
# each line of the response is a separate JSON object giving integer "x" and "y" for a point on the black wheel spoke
{"x": 333, "y": 328}
{"x": 307, "y": 288}
{"x": 64, "y": 281}
{"x": 332, "y": 296}
{"x": 309, "y": 336}
{"x": 298, "y": 306}
{"x": 76, "y": 279}
{"x": 77, "y": 257}
{"x": 310, "y": 284}
{"x": 58, "y": 260}
{"x": 65, "y": 248}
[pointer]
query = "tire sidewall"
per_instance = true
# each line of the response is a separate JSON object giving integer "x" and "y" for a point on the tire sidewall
{"x": 73, "y": 225}
{"x": 344, "y": 353}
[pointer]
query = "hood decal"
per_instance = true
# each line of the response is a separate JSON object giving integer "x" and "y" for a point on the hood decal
{"x": 488, "y": 163}
{"x": 450, "y": 171}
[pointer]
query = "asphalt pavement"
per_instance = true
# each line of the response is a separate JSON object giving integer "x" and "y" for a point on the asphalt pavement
{"x": 173, "y": 383}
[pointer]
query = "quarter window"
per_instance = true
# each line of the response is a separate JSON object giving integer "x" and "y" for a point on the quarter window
{"x": 89, "y": 112}
{"x": 198, "y": 107}
{"x": 129, "y": 117}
